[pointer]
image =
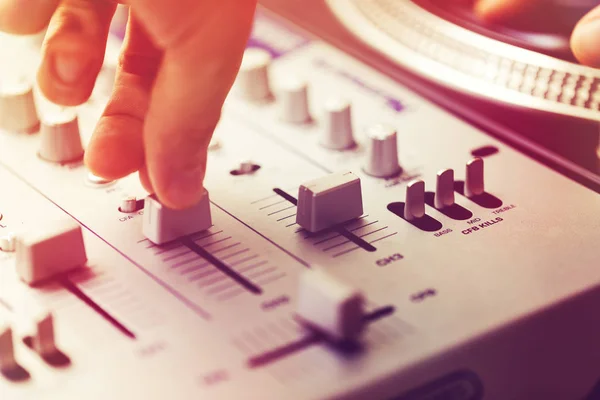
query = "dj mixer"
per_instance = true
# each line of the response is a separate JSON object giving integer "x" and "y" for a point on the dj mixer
{"x": 356, "y": 241}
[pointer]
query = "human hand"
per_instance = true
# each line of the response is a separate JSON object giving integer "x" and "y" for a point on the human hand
{"x": 585, "y": 40}
{"x": 178, "y": 62}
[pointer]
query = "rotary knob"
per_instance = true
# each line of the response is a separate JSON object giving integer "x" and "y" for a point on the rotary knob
{"x": 293, "y": 100}
{"x": 382, "y": 152}
{"x": 338, "y": 133}
{"x": 17, "y": 107}
{"x": 253, "y": 77}
{"x": 60, "y": 141}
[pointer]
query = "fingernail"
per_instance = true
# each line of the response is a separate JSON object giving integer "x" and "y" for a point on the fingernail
{"x": 185, "y": 188}
{"x": 586, "y": 42}
{"x": 69, "y": 68}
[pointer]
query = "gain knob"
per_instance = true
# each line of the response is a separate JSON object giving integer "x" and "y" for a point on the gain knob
{"x": 293, "y": 100}
{"x": 253, "y": 77}
{"x": 382, "y": 152}
{"x": 17, "y": 107}
{"x": 338, "y": 134}
{"x": 60, "y": 141}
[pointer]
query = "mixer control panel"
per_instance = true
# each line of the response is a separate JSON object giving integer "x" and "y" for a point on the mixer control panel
{"x": 355, "y": 241}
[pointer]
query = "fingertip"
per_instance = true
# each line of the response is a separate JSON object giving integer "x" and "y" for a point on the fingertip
{"x": 179, "y": 188}
{"x": 585, "y": 40}
{"x": 69, "y": 69}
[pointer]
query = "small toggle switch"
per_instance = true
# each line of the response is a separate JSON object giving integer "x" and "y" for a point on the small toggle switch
{"x": 8, "y": 361}
{"x": 444, "y": 189}
{"x": 474, "y": 179}
{"x": 128, "y": 204}
{"x": 330, "y": 306}
{"x": 328, "y": 201}
{"x": 43, "y": 341}
{"x": 414, "y": 207}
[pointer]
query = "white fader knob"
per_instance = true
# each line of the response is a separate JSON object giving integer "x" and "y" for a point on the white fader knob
{"x": 338, "y": 134}
{"x": 328, "y": 201}
{"x": 54, "y": 247}
{"x": 253, "y": 77}
{"x": 162, "y": 224}
{"x": 330, "y": 306}
{"x": 414, "y": 206}
{"x": 60, "y": 141}
{"x": 444, "y": 189}
{"x": 293, "y": 100}
{"x": 382, "y": 152}
{"x": 17, "y": 107}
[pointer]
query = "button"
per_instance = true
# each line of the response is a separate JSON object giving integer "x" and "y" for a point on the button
{"x": 330, "y": 306}
{"x": 382, "y": 152}
{"x": 293, "y": 101}
{"x": 128, "y": 204}
{"x": 338, "y": 133}
{"x": 474, "y": 184}
{"x": 60, "y": 141}
{"x": 414, "y": 207}
{"x": 97, "y": 181}
{"x": 53, "y": 248}
{"x": 8, "y": 361}
{"x": 328, "y": 201}
{"x": 8, "y": 242}
{"x": 253, "y": 77}
{"x": 444, "y": 189}
{"x": 162, "y": 224}
{"x": 43, "y": 341}
{"x": 17, "y": 107}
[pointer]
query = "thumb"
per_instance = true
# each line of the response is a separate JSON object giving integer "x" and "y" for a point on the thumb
{"x": 203, "y": 43}
{"x": 585, "y": 40}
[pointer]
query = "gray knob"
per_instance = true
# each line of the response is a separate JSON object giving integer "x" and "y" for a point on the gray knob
{"x": 382, "y": 152}
{"x": 17, "y": 107}
{"x": 293, "y": 100}
{"x": 60, "y": 141}
{"x": 338, "y": 134}
{"x": 253, "y": 77}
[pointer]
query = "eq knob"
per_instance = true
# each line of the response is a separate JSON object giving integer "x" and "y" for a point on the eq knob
{"x": 293, "y": 100}
{"x": 382, "y": 152}
{"x": 60, "y": 141}
{"x": 253, "y": 77}
{"x": 17, "y": 107}
{"x": 338, "y": 134}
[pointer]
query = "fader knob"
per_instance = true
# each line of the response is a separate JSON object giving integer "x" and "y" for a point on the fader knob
{"x": 162, "y": 224}
{"x": 293, "y": 100}
{"x": 60, "y": 141}
{"x": 253, "y": 76}
{"x": 338, "y": 134}
{"x": 17, "y": 108}
{"x": 382, "y": 152}
{"x": 330, "y": 306}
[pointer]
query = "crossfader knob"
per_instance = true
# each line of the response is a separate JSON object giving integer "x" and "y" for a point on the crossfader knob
{"x": 60, "y": 141}
{"x": 17, "y": 107}
{"x": 382, "y": 152}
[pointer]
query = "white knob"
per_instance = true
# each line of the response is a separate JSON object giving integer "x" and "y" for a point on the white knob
{"x": 293, "y": 101}
{"x": 60, "y": 141}
{"x": 17, "y": 107}
{"x": 382, "y": 152}
{"x": 8, "y": 242}
{"x": 338, "y": 134}
{"x": 253, "y": 77}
